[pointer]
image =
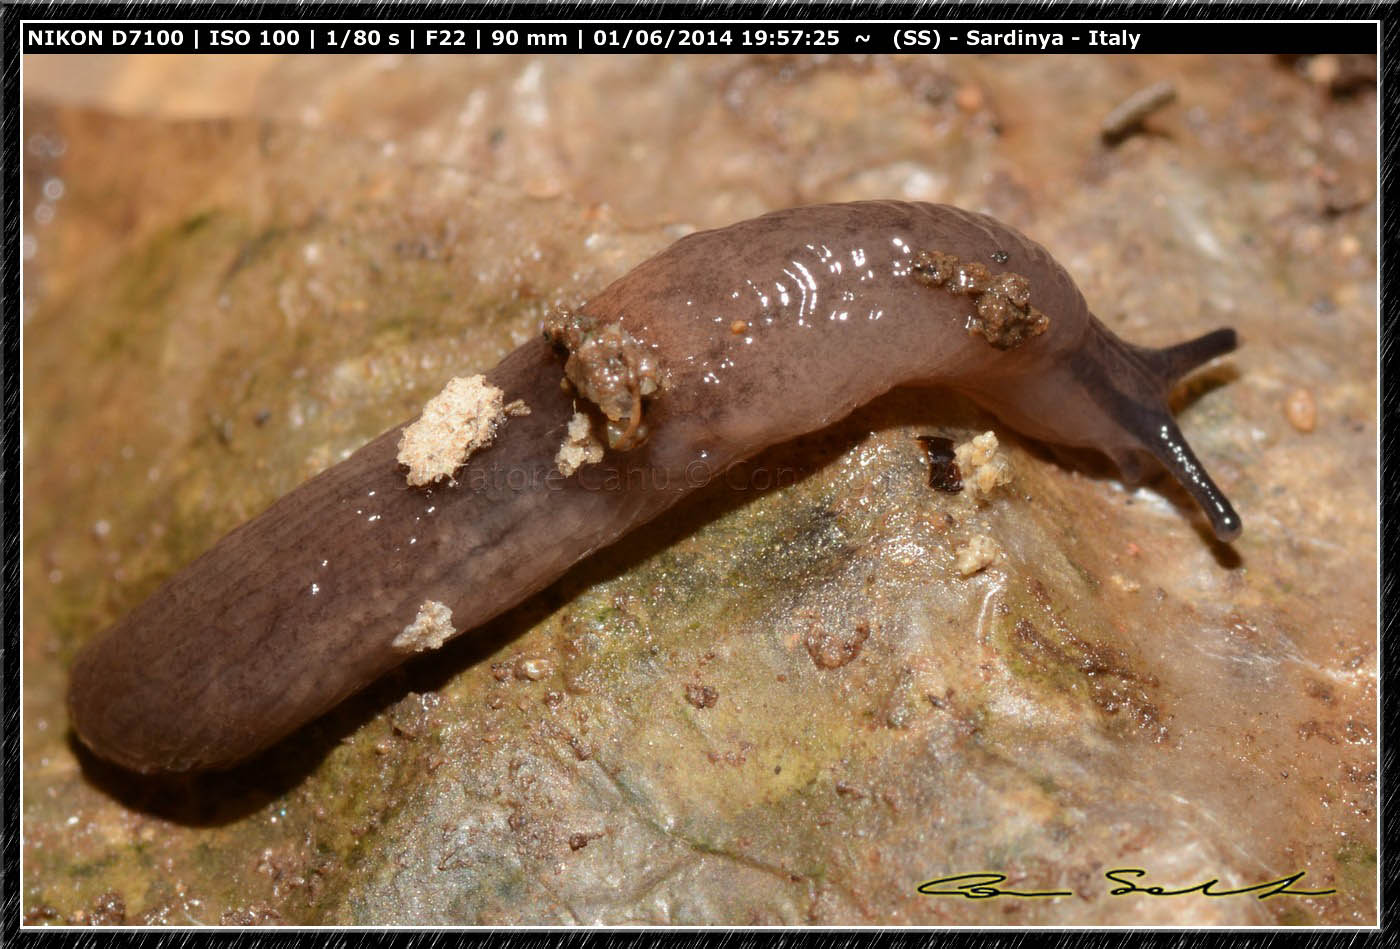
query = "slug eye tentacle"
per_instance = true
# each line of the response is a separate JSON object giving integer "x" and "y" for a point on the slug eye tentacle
{"x": 1169, "y": 364}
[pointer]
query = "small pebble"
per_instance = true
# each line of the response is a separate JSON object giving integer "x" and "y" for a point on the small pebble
{"x": 1301, "y": 410}
{"x": 969, "y": 98}
{"x": 532, "y": 669}
{"x": 1324, "y": 70}
{"x": 976, "y": 555}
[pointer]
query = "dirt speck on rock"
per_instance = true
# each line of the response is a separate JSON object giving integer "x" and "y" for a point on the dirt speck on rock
{"x": 834, "y": 648}
{"x": 701, "y": 696}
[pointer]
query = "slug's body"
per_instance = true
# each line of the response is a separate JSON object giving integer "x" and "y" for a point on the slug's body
{"x": 762, "y": 331}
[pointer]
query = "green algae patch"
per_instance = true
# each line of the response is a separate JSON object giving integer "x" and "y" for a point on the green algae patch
{"x": 1356, "y": 867}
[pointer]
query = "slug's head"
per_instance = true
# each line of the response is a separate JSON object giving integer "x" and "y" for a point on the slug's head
{"x": 1112, "y": 396}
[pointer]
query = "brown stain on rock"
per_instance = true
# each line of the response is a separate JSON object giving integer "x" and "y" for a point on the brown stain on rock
{"x": 1315, "y": 729}
{"x": 1114, "y": 685}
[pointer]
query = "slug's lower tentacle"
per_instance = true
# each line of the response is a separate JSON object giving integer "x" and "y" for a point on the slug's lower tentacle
{"x": 1171, "y": 449}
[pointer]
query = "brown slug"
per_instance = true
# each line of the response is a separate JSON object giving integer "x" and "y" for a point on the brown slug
{"x": 728, "y": 342}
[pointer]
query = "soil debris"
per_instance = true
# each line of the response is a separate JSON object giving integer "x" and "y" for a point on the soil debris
{"x": 610, "y": 368}
{"x": 983, "y": 465}
{"x": 580, "y": 447}
{"x": 1003, "y": 313}
{"x": 429, "y": 630}
{"x": 701, "y": 696}
{"x": 976, "y": 555}
{"x": 455, "y": 423}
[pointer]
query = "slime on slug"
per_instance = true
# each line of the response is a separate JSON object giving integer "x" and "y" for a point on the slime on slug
{"x": 729, "y": 341}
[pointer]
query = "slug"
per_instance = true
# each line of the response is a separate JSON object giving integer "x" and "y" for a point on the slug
{"x": 729, "y": 341}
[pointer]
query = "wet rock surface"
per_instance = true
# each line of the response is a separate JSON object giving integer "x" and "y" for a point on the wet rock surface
{"x": 784, "y": 703}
